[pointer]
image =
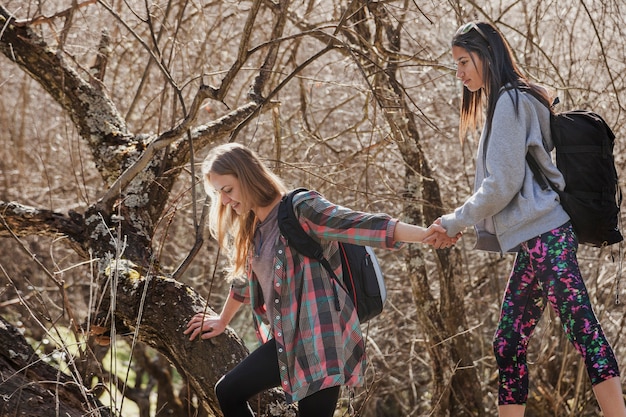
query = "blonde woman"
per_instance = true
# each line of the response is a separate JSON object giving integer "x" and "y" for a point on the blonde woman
{"x": 309, "y": 347}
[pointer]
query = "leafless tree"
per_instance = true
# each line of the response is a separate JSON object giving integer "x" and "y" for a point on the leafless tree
{"x": 107, "y": 108}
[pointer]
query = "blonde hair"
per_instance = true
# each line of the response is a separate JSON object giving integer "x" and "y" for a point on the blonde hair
{"x": 259, "y": 187}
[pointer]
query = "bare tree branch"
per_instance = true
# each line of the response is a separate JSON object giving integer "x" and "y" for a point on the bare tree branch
{"x": 89, "y": 108}
{"x": 30, "y": 221}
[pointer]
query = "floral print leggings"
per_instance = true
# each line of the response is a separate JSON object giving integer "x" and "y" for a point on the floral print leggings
{"x": 546, "y": 270}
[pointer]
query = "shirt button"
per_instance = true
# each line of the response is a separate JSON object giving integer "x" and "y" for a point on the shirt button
{"x": 277, "y": 317}
{"x": 280, "y": 350}
{"x": 277, "y": 266}
{"x": 278, "y": 284}
{"x": 276, "y": 301}
{"x": 280, "y": 334}
{"x": 280, "y": 251}
{"x": 285, "y": 383}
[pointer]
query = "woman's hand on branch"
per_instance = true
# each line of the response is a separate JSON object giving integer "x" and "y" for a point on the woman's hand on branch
{"x": 205, "y": 326}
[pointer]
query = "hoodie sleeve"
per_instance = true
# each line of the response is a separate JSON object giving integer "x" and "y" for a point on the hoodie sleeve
{"x": 504, "y": 165}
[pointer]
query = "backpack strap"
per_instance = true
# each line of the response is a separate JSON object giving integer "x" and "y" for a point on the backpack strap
{"x": 301, "y": 241}
{"x": 292, "y": 230}
{"x": 537, "y": 173}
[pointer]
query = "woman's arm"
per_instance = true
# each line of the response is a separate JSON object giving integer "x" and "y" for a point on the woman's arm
{"x": 504, "y": 161}
{"x": 327, "y": 221}
{"x": 410, "y": 233}
{"x": 434, "y": 235}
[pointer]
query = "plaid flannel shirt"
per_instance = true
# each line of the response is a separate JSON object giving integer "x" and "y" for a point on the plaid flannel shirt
{"x": 317, "y": 346}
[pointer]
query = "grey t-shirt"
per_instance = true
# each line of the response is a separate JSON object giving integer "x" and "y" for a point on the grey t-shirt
{"x": 265, "y": 239}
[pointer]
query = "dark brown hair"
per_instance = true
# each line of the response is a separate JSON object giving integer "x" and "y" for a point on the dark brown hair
{"x": 499, "y": 70}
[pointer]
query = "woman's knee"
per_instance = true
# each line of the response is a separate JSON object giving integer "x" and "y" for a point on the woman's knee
{"x": 506, "y": 352}
{"x": 223, "y": 390}
{"x": 231, "y": 399}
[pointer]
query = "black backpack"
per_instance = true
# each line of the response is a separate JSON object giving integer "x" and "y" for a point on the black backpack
{"x": 362, "y": 277}
{"x": 584, "y": 155}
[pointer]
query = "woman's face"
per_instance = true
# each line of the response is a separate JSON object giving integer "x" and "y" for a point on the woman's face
{"x": 229, "y": 189}
{"x": 469, "y": 68}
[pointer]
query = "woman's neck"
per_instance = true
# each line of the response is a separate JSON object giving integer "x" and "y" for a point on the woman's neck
{"x": 263, "y": 212}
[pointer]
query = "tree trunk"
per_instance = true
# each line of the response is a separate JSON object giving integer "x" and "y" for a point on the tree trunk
{"x": 156, "y": 310}
{"x": 29, "y": 386}
{"x": 454, "y": 391}
{"x": 122, "y": 222}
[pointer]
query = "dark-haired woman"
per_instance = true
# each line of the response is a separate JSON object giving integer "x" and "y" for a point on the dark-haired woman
{"x": 511, "y": 213}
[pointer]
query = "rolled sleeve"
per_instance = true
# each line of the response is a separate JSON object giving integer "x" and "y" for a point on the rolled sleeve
{"x": 391, "y": 229}
{"x": 240, "y": 293}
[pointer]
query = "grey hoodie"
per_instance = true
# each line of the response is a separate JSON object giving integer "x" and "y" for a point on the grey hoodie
{"x": 508, "y": 206}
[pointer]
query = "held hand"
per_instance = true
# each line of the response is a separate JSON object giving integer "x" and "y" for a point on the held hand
{"x": 438, "y": 236}
{"x": 435, "y": 228}
{"x": 440, "y": 240}
{"x": 455, "y": 238}
{"x": 432, "y": 233}
{"x": 204, "y": 325}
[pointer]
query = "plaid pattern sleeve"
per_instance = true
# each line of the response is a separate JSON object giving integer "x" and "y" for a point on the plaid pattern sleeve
{"x": 317, "y": 346}
{"x": 240, "y": 291}
{"x": 330, "y": 222}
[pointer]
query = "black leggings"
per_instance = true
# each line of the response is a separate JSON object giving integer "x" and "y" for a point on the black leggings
{"x": 259, "y": 372}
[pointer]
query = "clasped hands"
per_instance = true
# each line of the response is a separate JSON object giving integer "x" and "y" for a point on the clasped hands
{"x": 437, "y": 237}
